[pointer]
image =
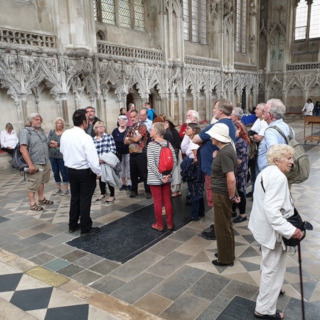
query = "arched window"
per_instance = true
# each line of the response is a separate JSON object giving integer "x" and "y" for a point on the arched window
{"x": 307, "y": 23}
{"x": 122, "y": 13}
{"x": 195, "y": 20}
{"x": 241, "y": 26}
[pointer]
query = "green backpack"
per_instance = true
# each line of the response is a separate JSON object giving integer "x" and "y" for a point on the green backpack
{"x": 301, "y": 167}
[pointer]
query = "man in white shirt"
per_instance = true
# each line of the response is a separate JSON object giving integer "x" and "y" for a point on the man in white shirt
{"x": 81, "y": 158}
{"x": 257, "y": 134}
{"x": 273, "y": 114}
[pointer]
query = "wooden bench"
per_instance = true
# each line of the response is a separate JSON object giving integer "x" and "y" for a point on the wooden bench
{"x": 311, "y": 122}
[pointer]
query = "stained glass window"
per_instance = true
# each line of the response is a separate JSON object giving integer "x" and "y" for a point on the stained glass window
{"x": 307, "y": 22}
{"x": 107, "y": 11}
{"x": 315, "y": 20}
{"x": 138, "y": 15}
{"x": 241, "y": 26}
{"x": 186, "y": 18}
{"x": 195, "y": 20}
{"x": 203, "y": 25}
{"x": 123, "y": 13}
{"x": 301, "y": 20}
{"x": 244, "y": 27}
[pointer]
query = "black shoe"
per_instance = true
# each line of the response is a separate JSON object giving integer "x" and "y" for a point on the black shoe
{"x": 128, "y": 188}
{"x": 148, "y": 195}
{"x": 249, "y": 194}
{"x": 133, "y": 194}
{"x": 123, "y": 187}
{"x": 189, "y": 219}
{"x": 234, "y": 214}
{"x": 92, "y": 231}
{"x": 212, "y": 227}
{"x": 220, "y": 264}
{"x": 208, "y": 235}
{"x": 239, "y": 219}
{"x": 72, "y": 230}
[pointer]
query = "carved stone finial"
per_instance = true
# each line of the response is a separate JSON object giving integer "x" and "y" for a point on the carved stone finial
{"x": 252, "y": 10}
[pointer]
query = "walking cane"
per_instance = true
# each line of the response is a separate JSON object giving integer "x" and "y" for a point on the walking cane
{"x": 301, "y": 282}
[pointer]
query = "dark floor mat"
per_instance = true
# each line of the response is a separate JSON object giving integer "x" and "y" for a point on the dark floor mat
{"x": 124, "y": 238}
{"x": 243, "y": 309}
{"x": 238, "y": 309}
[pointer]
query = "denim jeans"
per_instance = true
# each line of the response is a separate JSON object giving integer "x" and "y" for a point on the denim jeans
{"x": 58, "y": 167}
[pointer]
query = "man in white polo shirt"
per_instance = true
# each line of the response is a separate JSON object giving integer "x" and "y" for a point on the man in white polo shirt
{"x": 81, "y": 158}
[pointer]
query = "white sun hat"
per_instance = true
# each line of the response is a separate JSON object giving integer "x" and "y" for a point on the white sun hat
{"x": 220, "y": 132}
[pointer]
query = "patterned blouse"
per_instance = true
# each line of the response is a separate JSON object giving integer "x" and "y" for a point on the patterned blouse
{"x": 242, "y": 149}
{"x": 105, "y": 145}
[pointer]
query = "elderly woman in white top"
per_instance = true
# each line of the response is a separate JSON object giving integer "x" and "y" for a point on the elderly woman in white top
{"x": 272, "y": 205}
{"x": 9, "y": 139}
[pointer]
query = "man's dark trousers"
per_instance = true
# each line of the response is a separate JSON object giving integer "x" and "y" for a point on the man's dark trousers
{"x": 138, "y": 168}
{"x": 82, "y": 186}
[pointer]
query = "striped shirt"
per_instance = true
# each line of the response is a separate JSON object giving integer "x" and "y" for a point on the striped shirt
{"x": 153, "y": 155}
{"x": 105, "y": 145}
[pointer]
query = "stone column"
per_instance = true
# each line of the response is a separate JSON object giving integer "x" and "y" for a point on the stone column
{"x": 196, "y": 101}
{"x": 253, "y": 37}
{"x": 64, "y": 110}
{"x": 75, "y": 24}
{"x": 21, "y": 112}
{"x": 208, "y": 111}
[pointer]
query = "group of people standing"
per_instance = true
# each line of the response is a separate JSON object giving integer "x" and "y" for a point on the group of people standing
{"x": 215, "y": 162}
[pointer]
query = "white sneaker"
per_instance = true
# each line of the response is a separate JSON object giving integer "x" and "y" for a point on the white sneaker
{"x": 64, "y": 192}
{"x": 58, "y": 191}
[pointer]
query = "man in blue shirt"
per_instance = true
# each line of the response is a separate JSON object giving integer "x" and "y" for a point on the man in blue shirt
{"x": 273, "y": 113}
{"x": 222, "y": 111}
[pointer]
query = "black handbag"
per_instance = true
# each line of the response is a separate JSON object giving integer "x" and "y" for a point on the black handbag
{"x": 297, "y": 222}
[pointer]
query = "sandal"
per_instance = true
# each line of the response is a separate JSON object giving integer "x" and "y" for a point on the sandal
{"x": 101, "y": 197}
{"x": 276, "y": 316}
{"x": 35, "y": 207}
{"x": 156, "y": 227}
{"x": 176, "y": 194}
{"x": 45, "y": 201}
{"x": 110, "y": 200}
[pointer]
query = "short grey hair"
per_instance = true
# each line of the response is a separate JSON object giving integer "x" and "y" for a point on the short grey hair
{"x": 90, "y": 107}
{"x": 31, "y": 117}
{"x": 225, "y": 106}
{"x": 277, "y": 108}
{"x": 195, "y": 115}
{"x": 238, "y": 112}
{"x": 261, "y": 104}
{"x": 160, "y": 128}
{"x": 278, "y": 151}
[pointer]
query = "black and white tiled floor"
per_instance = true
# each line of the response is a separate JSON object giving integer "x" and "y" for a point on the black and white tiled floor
{"x": 43, "y": 301}
{"x": 173, "y": 279}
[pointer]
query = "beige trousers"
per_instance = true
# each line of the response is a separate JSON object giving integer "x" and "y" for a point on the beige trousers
{"x": 272, "y": 271}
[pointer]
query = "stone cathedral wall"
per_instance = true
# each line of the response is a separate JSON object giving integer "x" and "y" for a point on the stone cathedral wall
{"x": 55, "y": 58}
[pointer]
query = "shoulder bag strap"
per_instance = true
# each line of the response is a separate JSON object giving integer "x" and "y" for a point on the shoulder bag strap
{"x": 282, "y": 134}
